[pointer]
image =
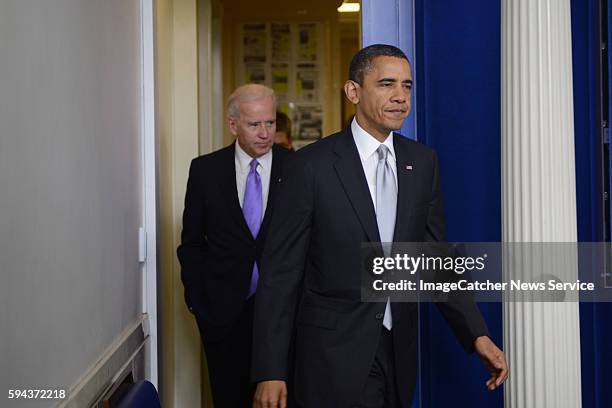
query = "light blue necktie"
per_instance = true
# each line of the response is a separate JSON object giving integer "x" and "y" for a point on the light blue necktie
{"x": 386, "y": 207}
{"x": 252, "y": 208}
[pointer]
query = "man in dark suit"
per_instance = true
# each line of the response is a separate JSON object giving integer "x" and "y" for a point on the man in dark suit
{"x": 365, "y": 184}
{"x": 228, "y": 205}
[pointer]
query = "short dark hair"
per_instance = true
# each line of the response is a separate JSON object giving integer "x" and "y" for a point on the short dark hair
{"x": 283, "y": 124}
{"x": 362, "y": 61}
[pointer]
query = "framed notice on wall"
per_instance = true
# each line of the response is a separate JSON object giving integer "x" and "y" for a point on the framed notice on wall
{"x": 289, "y": 58}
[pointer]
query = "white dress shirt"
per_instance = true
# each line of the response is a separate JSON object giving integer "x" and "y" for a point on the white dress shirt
{"x": 366, "y": 146}
{"x": 243, "y": 166}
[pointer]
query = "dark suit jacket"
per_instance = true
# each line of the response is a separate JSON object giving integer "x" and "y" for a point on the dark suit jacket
{"x": 217, "y": 249}
{"x": 323, "y": 213}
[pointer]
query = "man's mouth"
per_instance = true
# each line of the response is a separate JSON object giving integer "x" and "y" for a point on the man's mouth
{"x": 397, "y": 111}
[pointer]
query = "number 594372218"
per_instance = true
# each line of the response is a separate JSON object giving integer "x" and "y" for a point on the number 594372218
{"x": 37, "y": 393}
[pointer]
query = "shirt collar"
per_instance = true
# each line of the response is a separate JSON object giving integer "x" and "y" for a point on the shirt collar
{"x": 367, "y": 144}
{"x": 244, "y": 160}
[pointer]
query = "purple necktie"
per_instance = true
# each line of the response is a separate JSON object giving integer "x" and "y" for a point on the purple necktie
{"x": 252, "y": 210}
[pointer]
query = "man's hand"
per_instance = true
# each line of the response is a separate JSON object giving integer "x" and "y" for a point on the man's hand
{"x": 494, "y": 359}
{"x": 270, "y": 394}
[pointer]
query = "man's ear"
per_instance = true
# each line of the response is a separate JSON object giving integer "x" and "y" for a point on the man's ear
{"x": 233, "y": 126}
{"x": 351, "y": 90}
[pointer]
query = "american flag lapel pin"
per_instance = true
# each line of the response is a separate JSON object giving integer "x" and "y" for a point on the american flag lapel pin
{"x": 409, "y": 167}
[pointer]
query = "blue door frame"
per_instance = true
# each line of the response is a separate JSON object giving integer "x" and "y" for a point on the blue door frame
{"x": 392, "y": 22}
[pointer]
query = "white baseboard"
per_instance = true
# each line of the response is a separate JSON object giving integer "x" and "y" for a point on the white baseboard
{"x": 125, "y": 353}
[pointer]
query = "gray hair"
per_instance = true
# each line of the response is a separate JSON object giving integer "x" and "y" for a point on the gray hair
{"x": 247, "y": 93}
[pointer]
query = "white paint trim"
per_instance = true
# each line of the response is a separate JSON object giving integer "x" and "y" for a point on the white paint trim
{"x": 149, "y": 203}
{"x": 99, "y": 377}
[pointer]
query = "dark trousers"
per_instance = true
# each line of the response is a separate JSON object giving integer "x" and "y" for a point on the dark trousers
{"x": 380, "y": 390}
{"x": 229, "y": 363}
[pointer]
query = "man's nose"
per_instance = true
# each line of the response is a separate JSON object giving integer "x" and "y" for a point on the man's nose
{"x": 400, "y": 95}
{"x": 265, "y": 131}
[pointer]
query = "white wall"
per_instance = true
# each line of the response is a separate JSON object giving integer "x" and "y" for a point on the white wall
{"x": 69, "y": 186}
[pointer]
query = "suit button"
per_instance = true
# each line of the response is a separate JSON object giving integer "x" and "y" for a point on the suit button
{"x": 379, "y": 316}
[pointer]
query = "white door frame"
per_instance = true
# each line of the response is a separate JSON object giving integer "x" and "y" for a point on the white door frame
{"x": 148, "y": 244}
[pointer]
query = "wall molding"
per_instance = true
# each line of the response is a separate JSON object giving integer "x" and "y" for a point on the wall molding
{"x": 123, "y": 354}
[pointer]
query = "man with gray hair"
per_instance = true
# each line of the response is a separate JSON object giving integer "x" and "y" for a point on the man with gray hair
{"x": 228, "y": 205}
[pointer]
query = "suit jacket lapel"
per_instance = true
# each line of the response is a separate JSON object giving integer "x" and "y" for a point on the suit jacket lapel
{"x": 227, "y": 184}
{"x": 405, "y": 184}
{"x": 351, "y": 175}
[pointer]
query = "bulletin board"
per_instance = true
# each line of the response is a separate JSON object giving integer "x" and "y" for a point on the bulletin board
{"x": 289, "y": 58}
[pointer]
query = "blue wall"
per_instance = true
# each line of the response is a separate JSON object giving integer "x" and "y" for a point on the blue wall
{"x": 458, "y": 100}
{"x": 595, "y": 319}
